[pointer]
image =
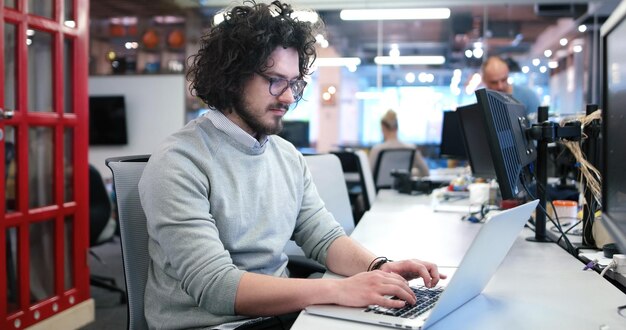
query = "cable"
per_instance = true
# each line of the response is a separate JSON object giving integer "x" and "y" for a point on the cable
{"x": 554, "y": 229}
{"x": 618, "y": 265}
{"x": 569, "y": 247}
{"x": 589, "y": 176}
{"x": 611, "y": 265}
{"x": 620, "y": 309}
{"x": 484, "y": 210}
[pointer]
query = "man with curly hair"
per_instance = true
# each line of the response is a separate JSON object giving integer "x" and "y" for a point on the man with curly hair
{"x": 224, "y": 195}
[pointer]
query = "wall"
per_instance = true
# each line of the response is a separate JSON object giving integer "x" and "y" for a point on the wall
{"x": 155, "y": 108}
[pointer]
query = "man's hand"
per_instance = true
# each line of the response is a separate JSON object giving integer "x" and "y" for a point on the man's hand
{"x": 374, "y": 288}
{"x": 413, "y": 268}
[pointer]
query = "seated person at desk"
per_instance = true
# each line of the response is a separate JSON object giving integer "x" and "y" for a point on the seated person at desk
{"x": 495, "y": 75}
{"x": 389, "y": 127}
{"x": 224, "y": 195}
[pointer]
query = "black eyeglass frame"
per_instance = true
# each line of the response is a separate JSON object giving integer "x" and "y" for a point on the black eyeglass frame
{"x": 297, "y": 86}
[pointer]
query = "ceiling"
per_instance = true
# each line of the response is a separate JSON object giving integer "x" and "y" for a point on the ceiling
{"x": 504, "y": 29}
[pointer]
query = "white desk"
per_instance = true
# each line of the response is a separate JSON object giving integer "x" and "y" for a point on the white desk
{"x": 538, "y": 286}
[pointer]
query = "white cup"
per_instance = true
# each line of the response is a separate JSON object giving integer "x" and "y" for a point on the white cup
{"x": 478, "y": 193}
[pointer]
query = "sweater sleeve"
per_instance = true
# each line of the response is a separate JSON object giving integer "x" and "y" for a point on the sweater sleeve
{"x": 184, "y": 238}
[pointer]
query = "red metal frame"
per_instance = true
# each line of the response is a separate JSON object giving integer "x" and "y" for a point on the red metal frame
{"x": 27, "y": 313}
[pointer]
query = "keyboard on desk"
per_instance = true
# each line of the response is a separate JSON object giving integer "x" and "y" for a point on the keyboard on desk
{"x": 426, "y": 299}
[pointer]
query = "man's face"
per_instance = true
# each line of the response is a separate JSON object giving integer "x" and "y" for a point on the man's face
{"x": 496, "y": 76}
{"x": 258, "y": 112}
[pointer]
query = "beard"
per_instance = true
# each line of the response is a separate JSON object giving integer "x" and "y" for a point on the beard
{"x": 254, "y": 119}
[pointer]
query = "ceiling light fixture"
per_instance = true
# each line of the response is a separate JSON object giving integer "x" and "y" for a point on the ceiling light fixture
{"x": 409, "y": 60}
{"x": 337, "y": 61}
{"x": 394, "y": 14}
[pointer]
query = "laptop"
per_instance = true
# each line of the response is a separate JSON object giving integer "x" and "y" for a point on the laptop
{"x": 482, "y": 259}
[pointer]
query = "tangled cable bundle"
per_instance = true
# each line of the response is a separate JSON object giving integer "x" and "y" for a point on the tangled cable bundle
{"x": 590, "y": 176}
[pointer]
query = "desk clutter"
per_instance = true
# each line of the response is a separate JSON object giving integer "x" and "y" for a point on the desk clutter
{"x": 479, "y": 191}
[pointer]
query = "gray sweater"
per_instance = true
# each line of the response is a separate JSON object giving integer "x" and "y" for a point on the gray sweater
{"x": 216, "y": 208}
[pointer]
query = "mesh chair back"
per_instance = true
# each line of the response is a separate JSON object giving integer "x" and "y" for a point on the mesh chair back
{"x": 133, "y": 232}
{"x": 389, "y": 160}
{"x": 327, "y": 172}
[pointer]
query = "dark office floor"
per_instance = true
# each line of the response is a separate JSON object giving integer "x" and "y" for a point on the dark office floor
{"x": 110, "y": 313}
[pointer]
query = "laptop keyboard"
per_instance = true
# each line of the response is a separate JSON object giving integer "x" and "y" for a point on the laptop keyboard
{"x": 426, "y": 299}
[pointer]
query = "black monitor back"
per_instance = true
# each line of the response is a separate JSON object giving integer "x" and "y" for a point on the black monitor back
{"x": 452, "y": 137}
{"x": 505, "y": 122}
{"x": 475, "y": 139}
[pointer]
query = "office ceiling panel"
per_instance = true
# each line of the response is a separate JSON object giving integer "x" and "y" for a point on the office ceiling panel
{"x": 140, "y": 8}
{"x": 508, "y": 29}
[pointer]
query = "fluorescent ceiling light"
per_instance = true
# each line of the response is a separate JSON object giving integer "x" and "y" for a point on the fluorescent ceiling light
{"x": 409, "y": 60}
{"x": 337, "y": 61}
{"x": 394, "y": 14}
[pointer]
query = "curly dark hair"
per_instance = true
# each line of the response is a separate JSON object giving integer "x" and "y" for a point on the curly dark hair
{"x": 232, "y": 51}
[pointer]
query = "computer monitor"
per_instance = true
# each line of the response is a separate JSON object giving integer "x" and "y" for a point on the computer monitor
{"x": 452, "y": 137}
{"x": 505, "y": 127}
{"x": 475, "y": 141}
{"x": 613, "y": 34}
{"x": 296, "y": 132}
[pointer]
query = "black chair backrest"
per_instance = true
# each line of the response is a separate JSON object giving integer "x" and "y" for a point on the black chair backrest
{"x": 389, "y": 160}
{"x": 99, "y": 205}
{"x": 351, "y": 164}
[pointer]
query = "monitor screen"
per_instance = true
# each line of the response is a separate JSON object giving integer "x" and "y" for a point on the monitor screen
{"x": 452, "y": 137}
{"x": 107, "y": 120}
{"x": 296, "y": 132}
{"x": 613, "y": 34}
{"x": 505, "y": 124}
{"x": 473, "y": 128}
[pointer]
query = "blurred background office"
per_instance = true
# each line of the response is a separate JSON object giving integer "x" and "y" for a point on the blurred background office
{"x": 127, "y": 58}
{"x": 420, "y": 66}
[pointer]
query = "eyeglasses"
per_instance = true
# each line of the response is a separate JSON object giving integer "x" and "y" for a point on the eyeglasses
{"x": 279, "y": 85}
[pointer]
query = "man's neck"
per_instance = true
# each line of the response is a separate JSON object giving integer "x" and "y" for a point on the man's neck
{"x": 390, "y": 136}
{"x": 237, "y": 120}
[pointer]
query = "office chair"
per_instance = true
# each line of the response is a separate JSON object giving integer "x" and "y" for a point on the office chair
{"x": 9, "y": 177}
{"x": 326, "y": 172}
{"x": 133, "y": 232}
{"x": 400, "y": 159}
{"x": 359, "y": 180}
{"x": 101, "y": 228}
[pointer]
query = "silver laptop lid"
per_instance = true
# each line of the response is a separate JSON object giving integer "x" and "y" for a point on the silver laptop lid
{"x": 484, "y": 256}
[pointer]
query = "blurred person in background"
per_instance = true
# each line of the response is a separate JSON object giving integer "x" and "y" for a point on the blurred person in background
{"x": 495, "y": 75}
{"x": 389, "y": 127}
